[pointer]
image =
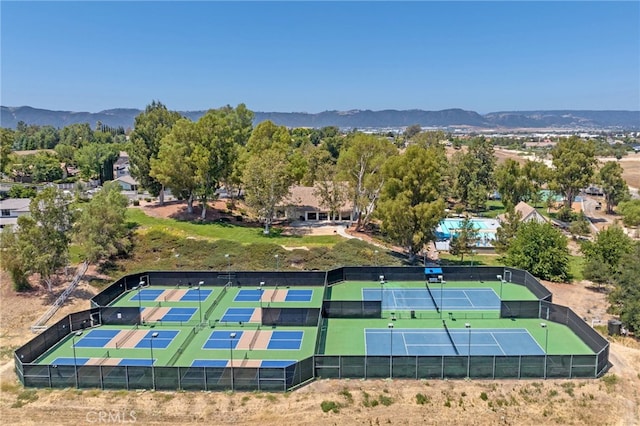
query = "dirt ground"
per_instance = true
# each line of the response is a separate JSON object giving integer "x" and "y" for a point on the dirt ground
{"x": 614, "y": 400}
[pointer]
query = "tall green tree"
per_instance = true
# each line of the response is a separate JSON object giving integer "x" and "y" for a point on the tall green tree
{"x": 474, "y": 174}
{"x": 6, "y": 145}
{"x": 360, "y": 165}
{"x": 220, "y": 131}
{"x": 267, "y": 183}
{"x": 44, "y": 235}
{"x": 411, "y": 206}
{"x": 630, "y": 211}
{"x": 507, "y": 230}
{"x": 574, "y": 164}
{"x": 540, "y": 249}
{"x": 613, "y": 185}
{"x": 603, "y": 256}
{"x": 44, "y": 167}
{"x": 511, "y": 182}
{"x": 101, "y": 229}
{"x": 464, "y": 240}
{"x": 176, "y": 163}
{"x": 625, "y": 298}
{"x": 12, "y": 261}
{"x": 94, "y": 159}
{"x": 150, "y": 127}
{"x": 538, "y": 175}
{"x": 330, "y": 190}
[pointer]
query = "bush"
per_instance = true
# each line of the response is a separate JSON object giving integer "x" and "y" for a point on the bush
{"x": 422, "y": 399}
{"x": 330, "y": 406}
{"x": 136, "y": 202}
{"x": 483, "y": 396}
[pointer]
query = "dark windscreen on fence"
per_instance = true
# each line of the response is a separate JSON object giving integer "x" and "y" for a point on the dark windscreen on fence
{"x": 303, "y": 317}
{"x": 352, "y": 309}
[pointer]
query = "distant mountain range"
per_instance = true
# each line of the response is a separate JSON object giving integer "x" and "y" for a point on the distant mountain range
{"x": 448, "y": 118}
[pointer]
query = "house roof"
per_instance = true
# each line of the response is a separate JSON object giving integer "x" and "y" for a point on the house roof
{"x": 16, "y": 204}
{"x": 524, "y": 209}
{"x": 304, "y": 197}
{"x": 128, "y": 179}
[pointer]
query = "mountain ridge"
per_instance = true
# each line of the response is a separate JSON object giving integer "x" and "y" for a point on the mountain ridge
{"x": 356, "y": 118}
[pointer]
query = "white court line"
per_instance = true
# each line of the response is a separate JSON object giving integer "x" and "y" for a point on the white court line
{"x": 499, "y": 345}
{"x": 404, "y": 341}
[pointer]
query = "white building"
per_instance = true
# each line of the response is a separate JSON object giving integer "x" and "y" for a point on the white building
{"x": 11, "y": 209}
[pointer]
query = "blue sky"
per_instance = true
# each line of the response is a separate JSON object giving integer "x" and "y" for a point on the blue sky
{"x": 316, "y": 56}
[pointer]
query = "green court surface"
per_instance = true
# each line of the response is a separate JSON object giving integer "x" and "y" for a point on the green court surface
{"x": 192, "y": 334}
{"x": 347, "y": 336}
{"x": 352, "y": 290}
{"x": 217, "y": 324}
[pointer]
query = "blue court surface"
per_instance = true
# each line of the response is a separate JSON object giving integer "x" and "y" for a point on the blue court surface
{"x": 248, "y": 295}
{"x": 267, "y": 363}
{"x": 69, "y": 361}
{"x": 299, "y": 296}
{"x": 411, "y": 341}
{"x": 237, "y": 315}
{"x": 192, "y": 295}
{"x": 146, "y": 294}
{"x": 164, "y": 339}
{"x": 96, "y": 338}
{"x": 137, "y": 362}
{"x": 286, "y": 340}
{"x": 179, "y": 314}
{"x": 467, "y": 299}
{"x": 222, "y": 340}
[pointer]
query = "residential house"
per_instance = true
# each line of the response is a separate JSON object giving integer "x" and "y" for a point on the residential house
{"x": 11, "y": 209}
{"x": 527, "y": 213}
{"x": 303, "y": 204}
{"x": 127, "y": 183}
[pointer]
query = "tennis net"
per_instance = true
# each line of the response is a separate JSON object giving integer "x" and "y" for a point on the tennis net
{"x": 254, "y": 338}
{"x": 126, "y": 337}
{"x": 444, "y": 323}
{"x": 433, "y": 299}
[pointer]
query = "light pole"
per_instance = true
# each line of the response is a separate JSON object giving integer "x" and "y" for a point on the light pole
{"x": 390, "y": 325}
{"x": 75, "y": 360}
{"x": 140, "y": 284}
{"x": 546, "y": 342}
{"x": 231, "y": 337}
{"x": 441, "y": 279}
{"x": 499, "y": 277}
{"x": 228, "y": 268}
{"x": 375, "y": 258}
{"x": 381, "y": 291}
{"x": 277, "y": 257}
{"x": 200, "y": 284}
{"x": 261, "y": 289}
{"x": 153, "y": 370}
{"x": 468, "y": 327}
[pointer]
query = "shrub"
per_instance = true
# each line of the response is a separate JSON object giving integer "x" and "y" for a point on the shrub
{"x": 330, "y": 406}
{"x": 483, "y": 396}
{"x": 422, "y": 399}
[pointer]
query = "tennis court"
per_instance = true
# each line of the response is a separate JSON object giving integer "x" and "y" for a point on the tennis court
{"x": 273, "y": 295}
{"x": 238, "y": 315}
{"x": 131, "y": 338}
{"x": 168, "y": 314}
{"x": 255, "y": 339}
{"x": 170, "y": 295}
{"x": 467, "y": 299}
{"x": 470, "y": 341}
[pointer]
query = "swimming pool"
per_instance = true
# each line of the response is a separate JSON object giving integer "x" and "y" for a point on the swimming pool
{"x": 486, "y": 228}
